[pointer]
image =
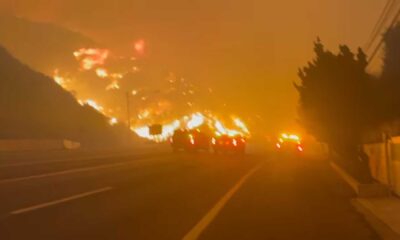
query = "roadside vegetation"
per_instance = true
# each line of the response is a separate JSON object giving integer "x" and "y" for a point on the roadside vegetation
{"x": 344, "y": 106}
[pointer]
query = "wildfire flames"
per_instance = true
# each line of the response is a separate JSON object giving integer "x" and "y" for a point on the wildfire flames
{"x": 114, "y": 85}
{"x": 194, "y": 121}
{"x": 91, "y": 57}
{"x": 59, "y": 79}
{"x": 94, "y": 59}
{"x": 113, "y": 121}
{"x": 93, "y": 104}
{"x": 101, "y": 73}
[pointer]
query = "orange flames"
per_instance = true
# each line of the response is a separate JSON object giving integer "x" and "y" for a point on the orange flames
{"x": 94, "y": 59}
{"x": 101, "y": 73}
{"x": 194, "y": 121}
{"x": 60, "y": 80}
{"x": 91, "y": 57}
{"x": 114, "y": 85}
{"x": 113, "y": 121}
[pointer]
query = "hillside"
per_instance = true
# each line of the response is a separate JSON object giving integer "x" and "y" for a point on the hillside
{"x": 32, "y": 105}
{"x": 42, "y": 46}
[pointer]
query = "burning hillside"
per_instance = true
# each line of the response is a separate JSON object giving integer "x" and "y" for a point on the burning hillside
{"x": 193, "y": 121}
{"x": 107, "y": 80}
{"x": 120, "y": 76}
{"x": 34, "y": 107}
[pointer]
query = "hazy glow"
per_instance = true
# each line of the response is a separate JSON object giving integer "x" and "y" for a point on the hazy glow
{"x": 139, "y": 46}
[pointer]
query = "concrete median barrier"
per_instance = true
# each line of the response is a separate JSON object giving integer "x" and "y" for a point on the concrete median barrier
{"x": 15, "y": 145}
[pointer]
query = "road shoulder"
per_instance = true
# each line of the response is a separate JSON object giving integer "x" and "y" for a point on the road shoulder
{"x": 380, "y": 209}
{"x": 375, "y": 215}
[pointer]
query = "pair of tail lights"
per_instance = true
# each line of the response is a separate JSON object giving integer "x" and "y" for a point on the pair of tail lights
{"x": 235, "y": 142}
{"x": 298, "y": 147}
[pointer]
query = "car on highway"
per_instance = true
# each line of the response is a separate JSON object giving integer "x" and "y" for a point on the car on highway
{"x": 190, "y": 140}
{"x": 229, "y": 144}
{"x": 289, "y": 143}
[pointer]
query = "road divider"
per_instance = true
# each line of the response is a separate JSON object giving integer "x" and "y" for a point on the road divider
{"x": 60, "y": 201}
{"x": 70, "y": 159}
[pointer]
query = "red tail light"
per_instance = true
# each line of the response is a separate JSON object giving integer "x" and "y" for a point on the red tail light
{"x": 300, "y": 148}
{"x": 234, "y": 142}
{"x": 191, "y": 139}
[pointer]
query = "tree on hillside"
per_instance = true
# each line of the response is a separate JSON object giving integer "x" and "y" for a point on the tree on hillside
{"x": 337, "y": 102}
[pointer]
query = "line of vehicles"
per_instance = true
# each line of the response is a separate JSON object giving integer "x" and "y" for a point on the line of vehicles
{"x": 200, "y": 140}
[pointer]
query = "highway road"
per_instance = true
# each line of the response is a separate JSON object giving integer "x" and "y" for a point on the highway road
{"x": 158, "y": 195}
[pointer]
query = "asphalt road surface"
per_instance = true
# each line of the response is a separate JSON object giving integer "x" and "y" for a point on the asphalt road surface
{"x": 161, "y": 195}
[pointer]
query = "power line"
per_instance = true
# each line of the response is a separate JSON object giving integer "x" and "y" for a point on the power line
{"x": 378, "y": 23}
{"x": 377, "y": 48}
{"x": 385, "y": 17}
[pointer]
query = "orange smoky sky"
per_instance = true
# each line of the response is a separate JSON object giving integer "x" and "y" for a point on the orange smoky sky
{"x": 249, "y": 51}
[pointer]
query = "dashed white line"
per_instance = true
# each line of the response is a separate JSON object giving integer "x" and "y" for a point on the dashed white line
{"x": 195, "y": 232}
{"x": 63, "y": 200}
{"x": 52, "y": 174}
{"x": 76, "y": 170}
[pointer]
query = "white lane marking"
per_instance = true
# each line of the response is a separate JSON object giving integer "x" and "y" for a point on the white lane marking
{"x": 195, "y": 232}
{"x": 59, "y": 173}
{"x": 63, "y": 200}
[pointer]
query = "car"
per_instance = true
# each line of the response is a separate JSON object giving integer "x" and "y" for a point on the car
{"x": 199, "y": 140}
{"x": 289, "y": 143}
{"x": 179, "y": 140}
{"x": 226, "y": 144}
{"x": 190, "y": 140}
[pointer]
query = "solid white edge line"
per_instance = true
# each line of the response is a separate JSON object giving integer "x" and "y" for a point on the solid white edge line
{"x": 195, "y": 232}
{"x": 63, "y": 200}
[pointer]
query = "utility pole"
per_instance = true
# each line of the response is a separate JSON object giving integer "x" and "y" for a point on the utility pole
{"x": 128, "y": 112}
{"x": 128, "y": 116}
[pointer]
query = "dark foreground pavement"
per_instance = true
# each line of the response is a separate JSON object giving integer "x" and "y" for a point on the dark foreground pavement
{"x": 291, "y": 198}
{"x": 165, "y": 196}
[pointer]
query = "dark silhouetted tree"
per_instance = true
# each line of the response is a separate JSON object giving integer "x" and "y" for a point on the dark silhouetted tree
{"x": 337, "y": 101}
{"x": 390, "y": 78}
